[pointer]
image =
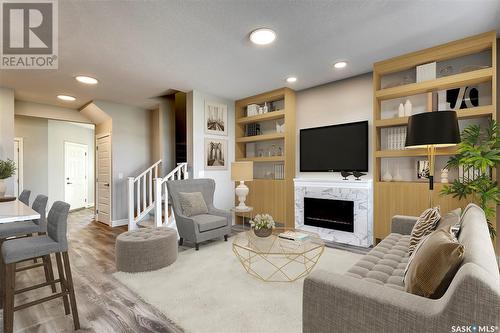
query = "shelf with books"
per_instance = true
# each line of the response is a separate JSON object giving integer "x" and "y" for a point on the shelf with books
{"x": 273, "y": 115}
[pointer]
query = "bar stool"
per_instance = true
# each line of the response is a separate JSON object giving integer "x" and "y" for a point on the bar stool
{"x": 24, "y": 228}
{"x": 21, "y": 249}
{"x": 24, "y": 197}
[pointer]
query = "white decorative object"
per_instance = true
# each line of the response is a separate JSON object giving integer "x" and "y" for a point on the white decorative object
{"x": 398, "y": 177}
{"x": 444, "y": 176}
{"x": 408, "y": 108}
{"x": 401, "y": 110}
{"x": 280, "y": 128}
{"x": 387, "y": 177}
{"x": 261, "y": 110}
{"x": 359, "y": 192}
{"x": 240, "y": 172}
{"x": 215, "y": 118}
{"x": 252, "y": 110}
{"x": 3, "y": 188}
{"x": 426, "y": 72}
{"x": 265, "y": 109}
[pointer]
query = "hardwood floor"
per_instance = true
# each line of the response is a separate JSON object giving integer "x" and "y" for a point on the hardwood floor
{"x": 104, "y": 304}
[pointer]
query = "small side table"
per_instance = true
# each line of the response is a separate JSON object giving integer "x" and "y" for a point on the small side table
{"x": 244, "y": 213}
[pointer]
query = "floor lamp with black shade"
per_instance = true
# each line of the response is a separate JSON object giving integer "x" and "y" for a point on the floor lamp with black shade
{"x": 431, "y": 130}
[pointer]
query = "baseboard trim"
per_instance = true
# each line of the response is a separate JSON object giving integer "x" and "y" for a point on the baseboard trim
{"x": 119, "y": 223}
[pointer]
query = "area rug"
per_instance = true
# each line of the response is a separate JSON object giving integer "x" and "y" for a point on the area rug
{"x": 209, "y": 291}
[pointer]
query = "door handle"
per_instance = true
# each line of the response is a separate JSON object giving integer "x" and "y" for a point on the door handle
{"x": 69, "y": 183}
{"x": 106, "y": 184}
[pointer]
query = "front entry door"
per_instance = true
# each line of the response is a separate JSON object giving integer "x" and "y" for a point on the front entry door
{"x": 103, "y": 179}
{"x": 75, "y": 174}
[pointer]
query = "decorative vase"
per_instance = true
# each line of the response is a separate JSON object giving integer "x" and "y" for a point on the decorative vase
{"x": 397, "y": 177}
{"x": 387, "y": 177}
{"x": 408, "y": 108}
{"x": 444, "y": 176}
{"x": 263, "y": 232}
{"x": 401, "y": 110}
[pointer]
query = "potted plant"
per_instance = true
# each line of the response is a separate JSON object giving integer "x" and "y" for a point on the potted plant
{"x": 478, "y": 150}
{"x": 262, "y": 225}
{"x": 7, "y": 169}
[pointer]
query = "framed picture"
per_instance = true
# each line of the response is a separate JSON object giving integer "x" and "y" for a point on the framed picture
{"x": 215, "y": 154}
{"x": 215, "y": 118}
{"x": 423, "y": 169}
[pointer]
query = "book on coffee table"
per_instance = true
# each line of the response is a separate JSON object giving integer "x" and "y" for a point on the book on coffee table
{"x": 294, "y": 235}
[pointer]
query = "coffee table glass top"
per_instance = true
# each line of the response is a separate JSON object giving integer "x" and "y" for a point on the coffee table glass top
{"x": 275, "y": 259}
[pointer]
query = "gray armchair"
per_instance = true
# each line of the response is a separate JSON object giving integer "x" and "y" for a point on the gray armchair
{"x": 202, "y": 227}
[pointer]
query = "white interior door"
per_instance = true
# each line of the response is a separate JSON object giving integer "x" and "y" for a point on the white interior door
{"x": 75, "y": 174}
{"x": 103, "y": 179}
{"x": 18, "y": 159}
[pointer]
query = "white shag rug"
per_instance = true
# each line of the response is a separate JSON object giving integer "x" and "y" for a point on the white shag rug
{"x": 209, "y": 291}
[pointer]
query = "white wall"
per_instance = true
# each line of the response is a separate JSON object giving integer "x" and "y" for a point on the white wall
{"x": 34, "y": 132}
{"x": 60, "y": 132}
{"x": 338, "y": 102}
{"x": 7, "y": 130}
{"x": 24, "y": 108}
{"x": 131, "y": 150}
{"x": 224, "y": 187}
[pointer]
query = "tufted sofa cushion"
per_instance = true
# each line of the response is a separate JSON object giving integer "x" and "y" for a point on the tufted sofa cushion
{"x": 385, "y": 264}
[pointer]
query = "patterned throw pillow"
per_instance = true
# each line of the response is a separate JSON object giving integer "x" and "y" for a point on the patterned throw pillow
{"x": 426, "y": 224}
{"x": 433, "y": 264}
{"x": 192, "y": 203}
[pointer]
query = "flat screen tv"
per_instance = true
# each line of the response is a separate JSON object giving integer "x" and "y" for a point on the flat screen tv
{"x": 334, "y": 148}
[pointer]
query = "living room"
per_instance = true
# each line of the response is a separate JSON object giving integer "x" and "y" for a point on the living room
{"x": 258, "y": 166}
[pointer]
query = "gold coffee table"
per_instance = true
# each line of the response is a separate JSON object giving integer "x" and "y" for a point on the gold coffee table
{"x": 274, "y": 259}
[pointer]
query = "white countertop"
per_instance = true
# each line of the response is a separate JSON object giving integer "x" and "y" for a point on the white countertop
{"x": 14, "y": 211}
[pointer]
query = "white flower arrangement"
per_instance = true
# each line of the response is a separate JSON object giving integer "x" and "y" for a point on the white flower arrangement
{"x": 262, "y": 221}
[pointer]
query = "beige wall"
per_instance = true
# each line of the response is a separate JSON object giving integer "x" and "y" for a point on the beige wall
{"x": 31, "y": 109}
{"x": 338, "y": 102}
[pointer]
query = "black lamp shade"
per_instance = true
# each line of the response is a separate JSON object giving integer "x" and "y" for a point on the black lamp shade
{"x": 438, "y": 128}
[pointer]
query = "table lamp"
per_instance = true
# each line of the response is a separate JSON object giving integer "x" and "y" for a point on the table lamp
{"x": 241, "y": 172}
{"x": 431, "y": 130}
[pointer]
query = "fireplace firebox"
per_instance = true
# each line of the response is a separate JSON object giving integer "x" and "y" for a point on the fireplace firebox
{"x": 330, "y": 214}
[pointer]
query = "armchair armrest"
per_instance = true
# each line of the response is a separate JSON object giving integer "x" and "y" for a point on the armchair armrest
{"x": 185, "y": 226}
{"x": 403, "y": 224}
{"x": 339, "y": 303}
{"x": 220, "y": 212}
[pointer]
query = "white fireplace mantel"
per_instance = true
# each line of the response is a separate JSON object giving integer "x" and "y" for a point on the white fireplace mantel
{"x": 358, "y": 191}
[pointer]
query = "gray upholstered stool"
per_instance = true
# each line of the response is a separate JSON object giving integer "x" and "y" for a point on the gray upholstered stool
{"x": 146, "y": 249}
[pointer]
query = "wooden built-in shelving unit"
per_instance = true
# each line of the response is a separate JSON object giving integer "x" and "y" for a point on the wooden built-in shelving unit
{"x": 272, "y": 196}
{"x": 411, "y": 197}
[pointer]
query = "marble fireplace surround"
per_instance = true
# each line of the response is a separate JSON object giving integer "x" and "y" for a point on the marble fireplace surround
{"x": 360, "y": 192}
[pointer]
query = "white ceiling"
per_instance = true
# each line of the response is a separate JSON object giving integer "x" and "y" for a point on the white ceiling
{"x": 141, "y": 49}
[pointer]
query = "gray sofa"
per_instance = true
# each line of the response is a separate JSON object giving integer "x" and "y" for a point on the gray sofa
{"x": 371, "y": 297}
{"x": 199, "y": 228}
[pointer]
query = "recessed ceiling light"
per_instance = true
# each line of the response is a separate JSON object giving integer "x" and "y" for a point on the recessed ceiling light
{"x": 66, "y": 98}
{"x": 340, "y": 64}
{"x": 291, "y": 79}
{"x": 262, "y": 36}
{"x": 86, "y": 79}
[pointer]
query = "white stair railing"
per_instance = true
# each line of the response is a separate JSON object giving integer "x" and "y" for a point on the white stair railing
{"x": 161, "y": 191}
{"x": 141, "y": 199}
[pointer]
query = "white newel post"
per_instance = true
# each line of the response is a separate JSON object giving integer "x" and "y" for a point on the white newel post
{"x": 185, "y": 170}
{"x": 158, "y": 184}
{"x": 131, "y": 222}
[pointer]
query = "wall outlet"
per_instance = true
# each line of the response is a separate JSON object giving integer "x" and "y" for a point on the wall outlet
{"x": 120, "y": 175}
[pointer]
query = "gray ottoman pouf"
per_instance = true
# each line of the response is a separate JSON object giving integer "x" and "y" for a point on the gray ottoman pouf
{"x": 146, "y": 249}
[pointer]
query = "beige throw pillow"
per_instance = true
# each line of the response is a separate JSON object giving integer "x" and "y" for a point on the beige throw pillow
{"x": 425, "y": 224}
{"x": 192, "y": 203}
{"x": 433, "y": 264}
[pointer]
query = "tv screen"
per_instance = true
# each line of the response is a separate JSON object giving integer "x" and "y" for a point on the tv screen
{"x": 334, "y": 148}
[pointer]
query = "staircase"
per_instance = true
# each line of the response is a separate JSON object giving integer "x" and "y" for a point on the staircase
{"x": 143, "y": 192}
